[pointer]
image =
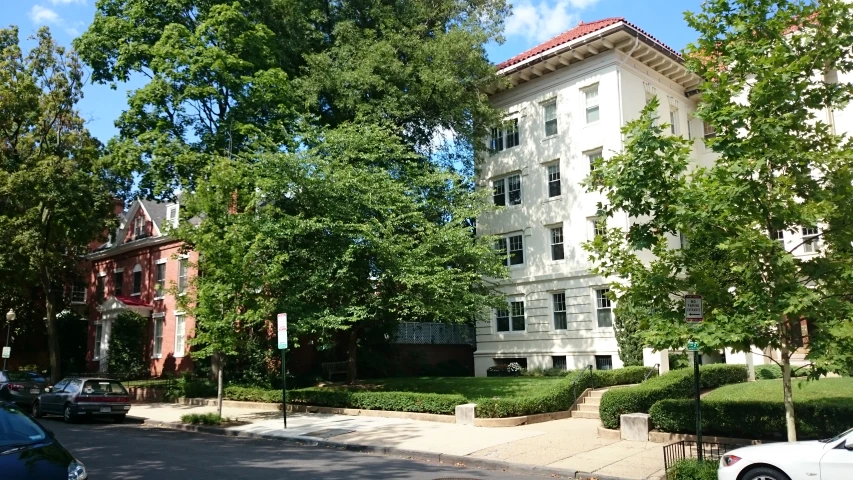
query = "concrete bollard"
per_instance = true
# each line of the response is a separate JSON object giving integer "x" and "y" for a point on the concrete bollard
{"x": 635, "y": 427}
{"x": 465, "y": 414}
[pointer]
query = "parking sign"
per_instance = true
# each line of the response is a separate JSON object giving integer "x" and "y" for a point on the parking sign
{"x": 282, "y": 331}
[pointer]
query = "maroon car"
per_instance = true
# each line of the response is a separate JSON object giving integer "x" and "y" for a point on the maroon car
{"x": 76, "y": 397}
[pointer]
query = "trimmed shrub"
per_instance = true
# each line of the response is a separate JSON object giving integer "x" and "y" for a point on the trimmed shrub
{"x": 675, "y": 384}
{"x": 620, "y": 376}
{"x": 187, "y": 387}
{"x": 693, "y": 470}
{"x": 771, "y": 372}
{"x": 753, "y": 419}
{"x": 251, "y": 394}
{"x": 201, "y": 418}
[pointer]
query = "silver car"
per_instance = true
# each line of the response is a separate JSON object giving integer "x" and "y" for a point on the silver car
{"x": 21, "y": 388}
{"x": 82, "y": 396}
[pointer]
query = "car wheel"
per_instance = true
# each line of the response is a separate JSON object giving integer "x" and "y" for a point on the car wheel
{"x": 119, "y": 418}
{"x": 67, "y": 414}
{"x": 764, "y": 473}
{"x": 37, "y": 410}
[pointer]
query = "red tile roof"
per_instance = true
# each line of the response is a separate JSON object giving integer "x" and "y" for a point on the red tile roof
{"x": 573, "y": 34}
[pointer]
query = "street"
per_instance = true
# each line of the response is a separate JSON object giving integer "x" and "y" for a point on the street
{"x": 137, "y": 452}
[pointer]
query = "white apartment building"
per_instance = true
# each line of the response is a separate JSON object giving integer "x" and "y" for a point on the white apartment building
{"x": 571, "y": 95}
{"x": 570, "y": 98}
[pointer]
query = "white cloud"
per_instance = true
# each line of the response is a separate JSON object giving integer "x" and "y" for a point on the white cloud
{"x": 43, "y": 15}
{"x": 545, "y": 19}
{"x": 68, "y": 2}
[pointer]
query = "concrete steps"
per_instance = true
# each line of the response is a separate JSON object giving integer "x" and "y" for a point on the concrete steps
{"x": 587, "y": 406}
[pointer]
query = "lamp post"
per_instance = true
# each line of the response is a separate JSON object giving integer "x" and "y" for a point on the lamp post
{"x": 10, "y": 317}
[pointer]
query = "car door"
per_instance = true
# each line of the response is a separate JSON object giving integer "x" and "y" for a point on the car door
{"x": 837, "y": 463}
{"x": 49, "y": 401}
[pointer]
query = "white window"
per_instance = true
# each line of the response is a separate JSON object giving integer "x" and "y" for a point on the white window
{"x": 139, "y": 226}
{"x": 594, "y": 158}
{"x": 708, "y": 130}
{"x": 560, "y": 321}
{"x": 603, "y": 308}
{"x": 511, "y": 249}
{"x": 137, "y": 280}
{"x": 511, "y": 319}
{"x": 78, "y": 293}
{"x": 507, "y": 190}
{"x": 550, "y": 111}
{"x": 172, "y": 215}
{"x": 597, "y": 227}
{"x": 673, "y": 120}
{"x": 558, "y": 252}
{"x": 590, "y": 95}
{"x": 157, "y": 351}
{"x": 180, "y": 334}
{"x": 99, "y": 334}
{"x": 160, "y": 285}
{"x": 554, "y": 183}
{"x": 506, "y": 136}
{"x": 779, "y": 236}
{"x": 810, "y": 236}
{"x": 182, "y": 274}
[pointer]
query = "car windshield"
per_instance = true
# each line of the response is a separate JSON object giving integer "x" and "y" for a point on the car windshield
{"x": 837, "y": 437}
{"x": 98, "y": 387}
{"x": 17, "y": 429}
{"x": 23, "y": 377}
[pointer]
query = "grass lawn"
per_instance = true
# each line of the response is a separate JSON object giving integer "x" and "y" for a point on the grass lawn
{"x": 470, "y": 387}
{"x": 772, "y": 390}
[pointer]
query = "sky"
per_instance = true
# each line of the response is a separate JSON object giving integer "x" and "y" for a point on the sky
{"x": 531, "y": 23}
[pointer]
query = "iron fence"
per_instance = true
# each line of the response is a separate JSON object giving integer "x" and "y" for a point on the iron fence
{"x": 711, "y": 452}
{"x": 421, "y": 333}
{"x": 132, "y": 379}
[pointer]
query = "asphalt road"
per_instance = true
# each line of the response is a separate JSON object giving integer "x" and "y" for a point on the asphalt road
{"x": 138, "y": 452}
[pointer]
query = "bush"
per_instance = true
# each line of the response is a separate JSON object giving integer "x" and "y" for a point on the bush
{"x": 509, "y": 370}
{"x": 252, "y": 394}
{"x": 201, "y": 418}
{"x": 127, "y": 353}
{"x": 675, "y": 384}
{"x": 771, "y": 372}
{"x": 753, "y": 419}
{"x": 693, "y": 470}
{"x": 187, "y": 387}
{"x": 620, "y": 376}
{"x": 547, "y": 372}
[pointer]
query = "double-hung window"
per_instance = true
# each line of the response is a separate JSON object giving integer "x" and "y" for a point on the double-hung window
{"x": 810, "y": 235}
{"x": 182, "y": 275}
{"x": 560, "y": 321}
{"x": 157, "y": 351}
{"x": 673, "y": 120}
{"x": 603, "y": 308}
{"x": 99, "y": 288}
{"x": 511, "y": 249}
{"x": 557, "y": 250}
{"x": 118, "y": 282}
{"x": 708, "y": 130}
{"x": 137, "y": 280}
{"x": 99, "y": 333}
{"x": 597, "y": 227}
{"x": 590, "y": 95}
{"x": 594, "y": 158}
{"x": 554, "y": 183}
{"x": 510, "y": 319}
{"x": 506, "y": 136}
{"x": 78, "y": 293}
{"x": 779, "y": 236}
{"x": 180, "y": 335}
{"x": 160, "y": 286}
{"x": 507, "y": 190}
{"x": 550, "y": 111}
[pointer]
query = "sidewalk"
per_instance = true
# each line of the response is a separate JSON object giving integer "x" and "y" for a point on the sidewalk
{"x": 561, "y": 445}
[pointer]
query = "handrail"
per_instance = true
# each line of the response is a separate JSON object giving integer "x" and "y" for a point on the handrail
{"x": 649, "y": 373}
{"x": 578, "y": 377}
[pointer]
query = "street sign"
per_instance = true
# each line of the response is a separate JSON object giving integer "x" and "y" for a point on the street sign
{"x": 692, "y": 346}
{"x": 7, "y": 352}
{"x": 693, "y": 309}
{"x": 282, "y": 331}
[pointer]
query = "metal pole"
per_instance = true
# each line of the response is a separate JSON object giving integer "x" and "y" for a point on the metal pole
{"x": 8, "y": 331}
{"x": 283, "y": 390}
{"x": 698, "y": 406}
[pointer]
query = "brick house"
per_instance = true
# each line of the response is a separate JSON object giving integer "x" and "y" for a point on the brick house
{"x": 135, "y": 270}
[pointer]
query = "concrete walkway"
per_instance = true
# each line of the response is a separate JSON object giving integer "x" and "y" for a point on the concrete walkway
{"x": 570, "y": 444}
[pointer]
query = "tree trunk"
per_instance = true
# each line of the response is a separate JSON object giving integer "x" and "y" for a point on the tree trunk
{"x": 220, "y": 361}
{"x": 790, "y": 422}
{"x": 52, "y": 327}
{"x": 351, "y": 352}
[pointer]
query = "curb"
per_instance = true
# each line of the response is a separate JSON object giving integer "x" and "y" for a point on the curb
{"x": 457, "y": 460}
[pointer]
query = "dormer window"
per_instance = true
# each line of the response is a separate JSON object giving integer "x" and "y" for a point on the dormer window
{"x": 172, "y": 215}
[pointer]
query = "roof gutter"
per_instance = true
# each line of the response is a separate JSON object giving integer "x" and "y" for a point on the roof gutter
{"x": 148, "y": 242}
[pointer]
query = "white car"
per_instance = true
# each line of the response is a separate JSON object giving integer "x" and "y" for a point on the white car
{"x": 815, "y": 460}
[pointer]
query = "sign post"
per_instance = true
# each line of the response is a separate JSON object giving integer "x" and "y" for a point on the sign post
{"x": 694, "y": 317}
{"x": 282, "y": 345}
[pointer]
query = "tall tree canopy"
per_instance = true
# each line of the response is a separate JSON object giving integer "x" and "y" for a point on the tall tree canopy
{"x": 56, "y": 193}
{"x": 771, "y": 70}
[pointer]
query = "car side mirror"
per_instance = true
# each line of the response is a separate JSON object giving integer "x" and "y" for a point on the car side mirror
{"x": 849, "y": 446}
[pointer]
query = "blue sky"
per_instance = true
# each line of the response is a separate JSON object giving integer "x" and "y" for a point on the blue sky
{"x": 532, "y": 22}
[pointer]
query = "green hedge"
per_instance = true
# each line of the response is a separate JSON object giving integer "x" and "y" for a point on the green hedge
{"x": 184, "y": 387}
{"x": 675, "y": 384}
{"x": 561, "y": 397}
{"x": 753, "y": 419}
{"x": 201, "y": 418}
{"x": 771, "y": 372}
{"x": 326, "y": 397}
{"x": 693, "y": 470}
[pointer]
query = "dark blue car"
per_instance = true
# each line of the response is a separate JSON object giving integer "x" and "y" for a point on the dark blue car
{"x": 29, "y": 451}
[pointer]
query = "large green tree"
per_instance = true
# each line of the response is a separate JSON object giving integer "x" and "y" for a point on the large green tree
{"x": 55, "y": 190}
{"x": 774, "y": 72}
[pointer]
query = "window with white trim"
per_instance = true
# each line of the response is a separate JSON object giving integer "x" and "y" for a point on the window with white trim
{"x": 510, "y": 319}
{"x": 172, "y": 215}
{"x": 511, "y": 249}
{"x": 810, "y": 236}
{"x": 100, "y": 287}
{"x": 78, "y": 293}
{"x": 137, "y": 280}
{"x": 138, "y": 226}
{"x": 507, "y": 190}
{"x": 182, "y": 274}
{"x": 559, "y": 302}
{"x": 603, "y": 308}
{"x": 160, "y": 285}
{"x": 673, "y": 121}
{"x": 708, "y": 130}
{"x": 590, "y": 95}
{"x": 594, "y": 158}
{"x": 554, "y": 183}
{"x": 506, "y": 136}
{"x": 597, "y": 227}
{"x": 180, "y": 334}
{"x": 118, "y": 282}
{"x": 550, "y": 117}
{"x": 779, "y": 236}
{"x": 99, "y": 334}
{"x": 558, "y": 252}
{"x": 157, "y": 350}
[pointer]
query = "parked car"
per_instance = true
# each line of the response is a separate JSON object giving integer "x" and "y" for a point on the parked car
{"x": 830, "y": 459}
{"x": 29, "y": 451}
{"x": 76, "y": 397}
{"x": 21, "y": 388}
